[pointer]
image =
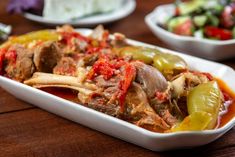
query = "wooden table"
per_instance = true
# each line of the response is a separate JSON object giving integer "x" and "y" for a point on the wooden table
{"x": 26, "y": 130}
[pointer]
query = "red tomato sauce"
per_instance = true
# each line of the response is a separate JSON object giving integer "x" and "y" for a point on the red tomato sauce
{"x": 229, "y": 113}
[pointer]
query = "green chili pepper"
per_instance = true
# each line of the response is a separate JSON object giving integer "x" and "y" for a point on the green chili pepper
{"x": 43, "y": 35}
{"x": 139, "y": 53}
{"x": 168, "y": 64}
{"x": 203, "y": 104}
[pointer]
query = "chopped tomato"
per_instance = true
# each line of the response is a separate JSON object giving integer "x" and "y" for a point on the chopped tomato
{"x": 67, "y": 37}
{"x": 102, "y": 67}
{"x": 104, "y": 42}
{"x": 11, "y": 56}
{"x": 2, "y": 55}
{"x": 129, "y": 75}
{"x": 227, "y": 18}
{"x": 185, "y": 28}
{"x": 161, "y": 96}
{"x": 208, "y": 75}
{"x": 227, "y": 97}
{"x": 92, "y": 50}
{"x": 218, "y": 33}
{"x": 1, "y": 64}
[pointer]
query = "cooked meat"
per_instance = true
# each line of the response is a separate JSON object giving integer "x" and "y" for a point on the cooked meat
{"x": 150, "y": 78}
{"x": 90, "y": 59}
{"x": 19, "y": 63}
{"x": 101, "y": 104}
{"x": 66, "y": 66}
{"x": 184, "y": 82}
{"x": 103, "y": 83}
{"x": 46, "y": 56}
{"x": 165, "y": 110}
{"x": 119, "y": 40}
{"x": 140, "y": 112}
{"x": 127, "y": 85}
{"x": 98, "y": 33}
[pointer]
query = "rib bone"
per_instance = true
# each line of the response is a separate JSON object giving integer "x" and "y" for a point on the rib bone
{"x": 40, "y": 80}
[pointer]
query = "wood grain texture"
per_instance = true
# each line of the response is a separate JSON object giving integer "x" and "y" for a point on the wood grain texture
{"x": 28, "y": 131}
{"x": 9, "y": 103}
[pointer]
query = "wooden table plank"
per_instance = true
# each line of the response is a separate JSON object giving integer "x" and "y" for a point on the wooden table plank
{"x": 38, "y": 133}
{"x": 35, "y": 132}
{"x": 9, "y": 103}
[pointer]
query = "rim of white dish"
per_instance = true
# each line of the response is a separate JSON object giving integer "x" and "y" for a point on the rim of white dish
{"x": 151, "y": 22}
{"x": 126, "y": 9}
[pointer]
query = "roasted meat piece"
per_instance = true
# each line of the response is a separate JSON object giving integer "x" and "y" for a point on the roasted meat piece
{"x": 66, "y": 66}
{"x": 150, "y": 79}
{"x": 46, "y": 56}
{"x": 19, "y": 63}
{"x": 139, "y": 111}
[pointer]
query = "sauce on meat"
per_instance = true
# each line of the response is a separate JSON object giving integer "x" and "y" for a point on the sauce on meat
{"x": 64, "y": 93}
{"x": 224, "y": 118}
{"x": 229, "y": 112}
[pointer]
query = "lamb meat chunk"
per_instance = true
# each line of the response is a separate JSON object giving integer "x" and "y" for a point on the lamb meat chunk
{"x": 165, "y": 111}
{"x": 100, "y": 103}
{"x": 46, "y": 56}
{"x": 66, "y": 66}
{"x": 150, "y": 79}
{"x": 101, "y": 82}
{"x": 19, "y": 63}
{"x": 139, "y": 111}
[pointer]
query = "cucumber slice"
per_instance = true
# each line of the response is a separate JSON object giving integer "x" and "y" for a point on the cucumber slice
{"x": 199, "y": 34}
{"x": 213, "y": 20}
{"x": 214, "y": 6}
{"x": 177, "y": 21}
{"x": 200, "y": 20}
{"x": 190, "y": 6}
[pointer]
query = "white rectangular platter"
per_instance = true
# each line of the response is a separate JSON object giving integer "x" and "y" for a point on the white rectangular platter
{"x": 119, "y": 128}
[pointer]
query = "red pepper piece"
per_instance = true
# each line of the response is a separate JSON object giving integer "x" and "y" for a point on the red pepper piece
{"x": 2, "y": 57}
{"x": 102, "y": 67}
{"x": 11, "y": 56}
{"x": 161, "y": 96}
{"x": 67, "y": 38}
{"x": 218, "y": 33}
{"x": 129, "y": 75}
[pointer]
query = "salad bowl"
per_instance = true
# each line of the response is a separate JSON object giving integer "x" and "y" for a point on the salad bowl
{"x": 200, "y": 47}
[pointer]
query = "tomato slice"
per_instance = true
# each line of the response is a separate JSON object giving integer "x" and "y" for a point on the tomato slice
{"x": 129, "y": 75}
{"x": 185, "y": 28}
{"x": 227, "y": 17}
{"x": 218, "y": 33}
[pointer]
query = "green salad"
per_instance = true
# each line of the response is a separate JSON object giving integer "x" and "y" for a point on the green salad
{"x": 211, "y": 19}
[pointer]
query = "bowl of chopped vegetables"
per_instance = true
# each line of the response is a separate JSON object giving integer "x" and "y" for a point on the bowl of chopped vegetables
{"x": 204, "y": 28}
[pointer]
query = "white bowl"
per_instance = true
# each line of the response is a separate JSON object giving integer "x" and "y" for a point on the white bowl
{"x": 122, "y": 129}
{"x": 126, "y": 9}
{"x": 205, "y": 48}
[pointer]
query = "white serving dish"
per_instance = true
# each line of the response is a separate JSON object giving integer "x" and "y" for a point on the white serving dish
{"x": 205, "y": 48}
{"x": 127, "y": 8}
{"x": 122, "y": 129}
